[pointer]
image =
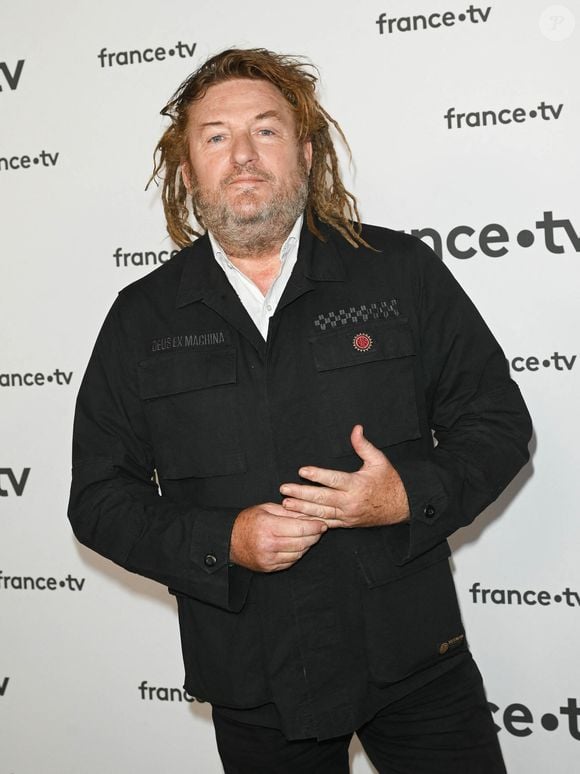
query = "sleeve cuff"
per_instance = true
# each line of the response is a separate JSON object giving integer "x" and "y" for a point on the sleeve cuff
{"x": 220, "y": 583}
{"x": 427, "y": 503}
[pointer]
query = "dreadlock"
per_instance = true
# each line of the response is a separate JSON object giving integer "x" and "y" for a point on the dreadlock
{"x": 328, "y": 199}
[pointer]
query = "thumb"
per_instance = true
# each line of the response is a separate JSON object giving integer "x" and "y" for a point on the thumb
{"x": 364, "y": 448}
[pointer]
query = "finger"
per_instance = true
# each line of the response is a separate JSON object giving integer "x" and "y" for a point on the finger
{"x": 334, "y": 479}
{"x": 334, "y": 520}
{"x": 297, "y": 545}
{"x": 298, "y": 527}
{"x": 364, "y": 448}
{"x": 274, "y": 509}
{"x": 283, "y": 564}
{"x": 334, "y": 523}
{"x": 297, "y": 514}
{"x": 284, "y": 559}
{"x": 312, "y": 494}
{"x": 315, "y": 510}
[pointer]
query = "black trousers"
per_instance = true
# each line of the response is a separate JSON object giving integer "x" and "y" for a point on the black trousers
{"x": 443, "y": 727}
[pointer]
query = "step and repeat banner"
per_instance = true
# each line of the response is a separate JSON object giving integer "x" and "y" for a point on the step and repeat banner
{"x": 463, "y": 120}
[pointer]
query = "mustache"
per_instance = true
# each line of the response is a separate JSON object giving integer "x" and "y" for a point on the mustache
{"x": 248, "y": 170}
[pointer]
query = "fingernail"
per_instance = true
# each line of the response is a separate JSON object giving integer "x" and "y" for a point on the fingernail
{"x": 284, "y": 489}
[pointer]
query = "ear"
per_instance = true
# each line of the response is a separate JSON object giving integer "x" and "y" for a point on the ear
{"x": 307, "y": 151}
{"x": 186, "y": 175}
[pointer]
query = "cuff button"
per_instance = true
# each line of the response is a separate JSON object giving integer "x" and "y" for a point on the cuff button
{"x": 210, "y": 560}
{"x": 429, "y": 511}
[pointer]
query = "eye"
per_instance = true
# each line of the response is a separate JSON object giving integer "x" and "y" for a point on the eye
{"x": 215, "y": 139}
{"x": 265, "y": 132}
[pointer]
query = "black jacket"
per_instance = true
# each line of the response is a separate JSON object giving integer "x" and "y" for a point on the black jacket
{"x": 181, "y": 382}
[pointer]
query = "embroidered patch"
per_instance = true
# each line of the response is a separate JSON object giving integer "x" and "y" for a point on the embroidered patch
{"x": 356, "y": 314}
{"x": 362, "y": 342}
{"x": 188, "y": 340}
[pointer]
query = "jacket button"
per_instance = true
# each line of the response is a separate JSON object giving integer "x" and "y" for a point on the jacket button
{"x": 210, "y": 560}
{"x": 429, "y": 511}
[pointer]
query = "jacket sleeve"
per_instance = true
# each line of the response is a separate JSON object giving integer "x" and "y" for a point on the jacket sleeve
{"x": 479, "y": 421}
{"x": 115, "y": 507}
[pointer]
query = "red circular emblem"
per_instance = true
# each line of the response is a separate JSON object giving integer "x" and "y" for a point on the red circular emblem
{"x": 362, "y": 342}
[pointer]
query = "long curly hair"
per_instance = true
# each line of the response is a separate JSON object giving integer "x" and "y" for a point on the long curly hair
{"x": 328, "y": 199}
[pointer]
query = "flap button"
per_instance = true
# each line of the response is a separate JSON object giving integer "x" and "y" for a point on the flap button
{"x": 443, "y": 648}
{"x": 429, "y": 511}
{"x": 210, "y": 560}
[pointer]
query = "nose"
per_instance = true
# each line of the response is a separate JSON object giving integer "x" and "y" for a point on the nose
{"x": 243, "y": 149}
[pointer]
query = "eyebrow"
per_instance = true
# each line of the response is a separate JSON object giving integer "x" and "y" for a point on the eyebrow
{"x": 259, "y": 117}
{"x": 267, "y": 114}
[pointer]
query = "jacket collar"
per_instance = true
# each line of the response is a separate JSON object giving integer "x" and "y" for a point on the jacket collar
{"x": 321, "y": 261}
{"x": 317, "y": 261}
{"x": 202, "y": 279}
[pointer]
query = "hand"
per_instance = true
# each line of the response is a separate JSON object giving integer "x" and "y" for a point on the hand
{"x": 268, "y": 538}
{"x": 372, "y": 496}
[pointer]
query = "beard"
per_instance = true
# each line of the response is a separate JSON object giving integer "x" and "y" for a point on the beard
{"x": 247, "y": 226}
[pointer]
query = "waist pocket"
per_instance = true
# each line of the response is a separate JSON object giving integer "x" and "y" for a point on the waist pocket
{"x": 222, "y": 654}
{"x": 411, "y": 613}
{"x": 191, "y": 407}
{"x": 366, "y": 376}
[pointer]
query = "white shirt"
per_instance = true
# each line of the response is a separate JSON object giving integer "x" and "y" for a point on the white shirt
{"x": 259, "y": 307}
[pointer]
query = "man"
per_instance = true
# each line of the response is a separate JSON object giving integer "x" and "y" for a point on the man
{"x": 284, "y": 376}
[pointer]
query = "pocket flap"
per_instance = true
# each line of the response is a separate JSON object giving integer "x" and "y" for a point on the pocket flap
{"x": 377, "y": 567}
{"x": 185, "y": 371}
{"x": 383, "y": 340}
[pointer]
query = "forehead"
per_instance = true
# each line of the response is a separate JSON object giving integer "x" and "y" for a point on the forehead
{"x": 239, "y": 98}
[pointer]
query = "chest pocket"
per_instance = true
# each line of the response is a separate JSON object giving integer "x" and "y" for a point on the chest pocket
{"x": 190, "y": 402}
{"x": 365, "y": 375}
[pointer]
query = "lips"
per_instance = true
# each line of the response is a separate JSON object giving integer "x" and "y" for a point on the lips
{"x": 248, "y": 176}
{"x": 247, "y": 180}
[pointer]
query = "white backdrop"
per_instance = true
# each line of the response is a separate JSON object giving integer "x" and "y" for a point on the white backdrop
{"x": 90, "y": 665}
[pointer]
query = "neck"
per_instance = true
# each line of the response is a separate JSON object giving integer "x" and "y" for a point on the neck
{"x": 260, "y": 263}
{"x": 262, "y": 271}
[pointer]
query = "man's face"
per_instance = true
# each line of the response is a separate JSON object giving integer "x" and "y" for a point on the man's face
{"x": 246, "y": 166}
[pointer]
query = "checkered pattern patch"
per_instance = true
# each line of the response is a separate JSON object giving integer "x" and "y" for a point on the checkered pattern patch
{"x": 380, "y": 310}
